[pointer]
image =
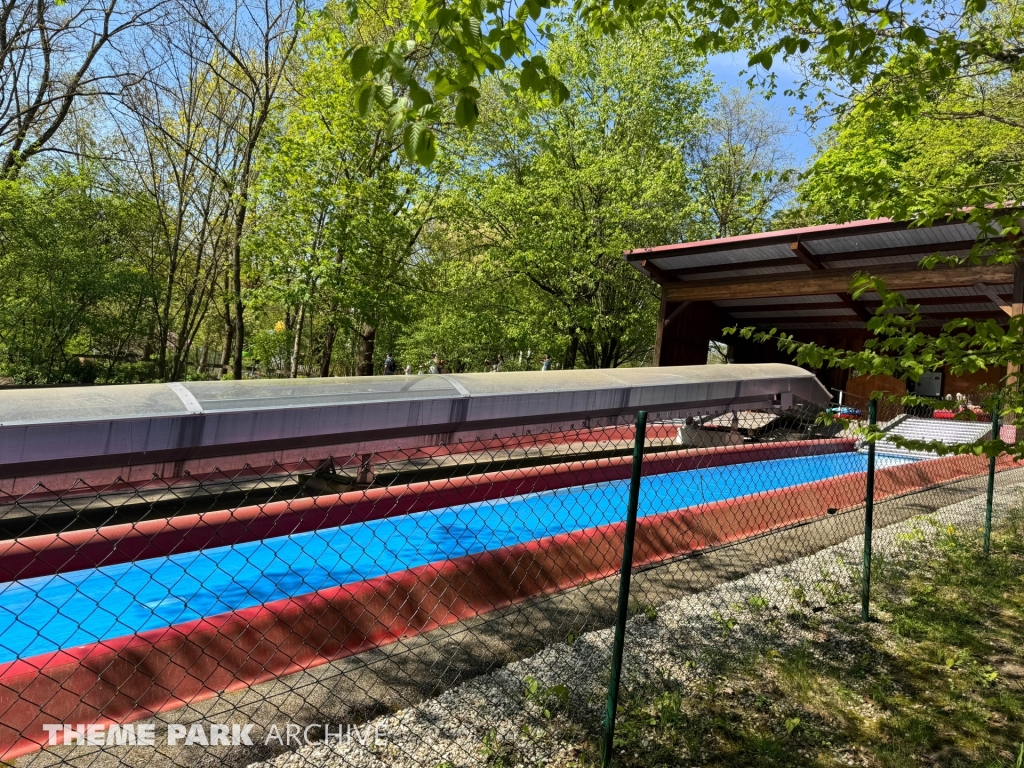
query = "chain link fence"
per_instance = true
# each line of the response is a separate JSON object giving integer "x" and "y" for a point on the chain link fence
{"x": 451, "y": 605}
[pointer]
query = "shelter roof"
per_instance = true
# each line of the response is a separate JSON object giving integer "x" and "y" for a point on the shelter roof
{"x": 797, "y": 279}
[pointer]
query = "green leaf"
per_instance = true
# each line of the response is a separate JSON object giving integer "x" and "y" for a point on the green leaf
{"x": 494, "y": 61}
{"x": 420, "y": 143}
{"x": 466, "y": 111}
{"x": 419, "y": 95}
{"x": 402, "y": 75}
{"x": 364, "y": 97}
{"x": 426, "y": 148}
{"x": 507, "y": 47}
{"x": 361, "y": 61}
{"x": 559, "y": 91}
{"x": 729, "y": 16}
{"x": 410, "y": 139}
{"x": 471, "y": 27}
{"x": 916, "y": 35}
{"x": 446, "y": 17}
{"x": 444, "y": 87}
{"x": 529, "y": 80}
{"x": 385, "y": 95}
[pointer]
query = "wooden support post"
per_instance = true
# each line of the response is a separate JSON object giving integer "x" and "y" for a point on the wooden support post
{"x": 1016, "y": 308}
{"x": 659, "y": 334}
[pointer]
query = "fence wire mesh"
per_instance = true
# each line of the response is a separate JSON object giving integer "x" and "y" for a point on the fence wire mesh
{"x": 429, "y": 606}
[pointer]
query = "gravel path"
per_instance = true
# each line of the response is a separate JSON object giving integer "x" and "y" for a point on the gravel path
{"x": 493, "y": 719}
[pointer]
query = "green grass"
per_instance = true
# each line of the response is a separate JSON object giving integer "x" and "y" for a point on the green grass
{"x": 937, "y": 679}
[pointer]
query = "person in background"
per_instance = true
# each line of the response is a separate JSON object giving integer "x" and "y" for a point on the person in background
{"x": 434, "y": 364}
{"x": 389, "y": 365}
{"x": 500, "y": 364}
{"x": 546, "y": 364}
{"x": 408, "y": 369}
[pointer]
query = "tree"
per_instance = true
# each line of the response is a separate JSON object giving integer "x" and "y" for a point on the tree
{"x": 743, "y": 171}
{"x": 251, "y": 44}
{"x": 52, "y": 55}
{"x": 177, "y": 146}
{"x": 550, "y": 192}
{"x": 874, "y": 162}
{"x": 873, "y": 158}
{"x": 340, "y": 208}
{"x": 849, "y": 48}
{"x": 901, "y": 59}
{"x": 467, "y": 307}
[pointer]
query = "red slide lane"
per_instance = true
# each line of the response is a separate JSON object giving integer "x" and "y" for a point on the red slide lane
{"x": 134, "y": 677}
{"x": 90, "y": 548}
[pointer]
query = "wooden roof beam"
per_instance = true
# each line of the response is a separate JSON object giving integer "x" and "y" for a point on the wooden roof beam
{"x": 656, "y": 272}
{"x": 870, "y": 304}
{"x": 998, "y": 300}
{"x": 766, "y": 322}
{"x": 833, "y": 281}
{"x": 676, "y": 312}
{"x": 814, "y": 264}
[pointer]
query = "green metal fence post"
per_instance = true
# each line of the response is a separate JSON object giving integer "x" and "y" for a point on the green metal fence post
{"x": 991, "y": 480}
{"x": 623, "y": 611}
{"x": 869, "y": 514}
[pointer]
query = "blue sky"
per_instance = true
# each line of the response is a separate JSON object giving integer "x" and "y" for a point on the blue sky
{"x": 726, "y": 69}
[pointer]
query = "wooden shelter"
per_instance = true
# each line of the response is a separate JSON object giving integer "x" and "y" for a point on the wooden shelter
{"x": 797, "y": 280}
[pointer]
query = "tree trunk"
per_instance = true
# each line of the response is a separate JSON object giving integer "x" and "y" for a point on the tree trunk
{"x": 239, "y": 326}
{"x": 569, "y": 361}
{"x": 325, "y": 359}
{"x": 367, "y": 339}
{"x": 165, "y": 322}
{"x": 147, "y": 347}
{"x": 300, "y": 317}
{"x": 229, "y": 337}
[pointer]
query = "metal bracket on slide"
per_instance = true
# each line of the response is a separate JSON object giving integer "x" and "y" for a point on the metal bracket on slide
{"x": 186, "y": 397}
{"x": 462, "y": 390}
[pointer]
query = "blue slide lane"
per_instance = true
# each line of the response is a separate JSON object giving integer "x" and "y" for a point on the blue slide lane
{"x": 47, "y": 613}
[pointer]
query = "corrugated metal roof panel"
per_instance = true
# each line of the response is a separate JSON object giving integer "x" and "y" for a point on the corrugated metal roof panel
{"x": 722, "y": 257}
{"x": 908, "y": 261}
{"x": 896, "y": 239}
{"x": 781, "y": 301}
{"x": 795, "y": 313}
{"x": 987, "y": 305}
{"x": 787, "y": 326}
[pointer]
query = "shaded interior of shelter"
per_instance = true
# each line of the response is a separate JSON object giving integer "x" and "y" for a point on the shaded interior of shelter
{"x": 797, "y": 281}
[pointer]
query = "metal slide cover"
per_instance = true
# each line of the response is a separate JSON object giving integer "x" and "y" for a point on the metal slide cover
{"x": 71, "y": 429}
